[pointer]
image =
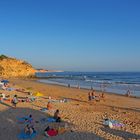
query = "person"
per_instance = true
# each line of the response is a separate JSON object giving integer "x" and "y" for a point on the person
{"x": 89, "y": 96}
{"x": 128, "y": 93}
{"x": 2, "y": 97}
{"x": 57, "y": 116}
{"x": 15, "y": 101}
{"x": 102, "y": 95}
{"x": 69, "y": 85}
{"x": 49, "y": 106}
{"x": 30, "y": 120}
{"x": 93, "y": 94}
{"x": 29, "y": 130}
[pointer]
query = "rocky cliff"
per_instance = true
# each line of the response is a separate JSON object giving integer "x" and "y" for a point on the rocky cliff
{"x": 12, "y": 67}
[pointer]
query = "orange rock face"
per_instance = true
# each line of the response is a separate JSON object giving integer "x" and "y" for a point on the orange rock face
{"x": 11, "y": 67}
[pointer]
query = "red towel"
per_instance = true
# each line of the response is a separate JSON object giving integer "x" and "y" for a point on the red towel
{"x": 52, "y": 132}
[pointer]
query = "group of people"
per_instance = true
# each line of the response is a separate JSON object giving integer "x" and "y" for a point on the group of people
{"x": 29, "y": 128}
{"x": 92, "y": 96}
{"x": 56, "y": 116}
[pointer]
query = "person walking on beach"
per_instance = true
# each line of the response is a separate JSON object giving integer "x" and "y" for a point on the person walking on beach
{"x": 128, "y": 93}
{"x": 15, "y": 101}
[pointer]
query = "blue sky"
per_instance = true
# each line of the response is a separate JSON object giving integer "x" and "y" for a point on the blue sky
{"x": 77, "y": 35}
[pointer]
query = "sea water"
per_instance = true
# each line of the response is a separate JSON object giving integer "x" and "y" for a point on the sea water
{"x": 115, "y": 82}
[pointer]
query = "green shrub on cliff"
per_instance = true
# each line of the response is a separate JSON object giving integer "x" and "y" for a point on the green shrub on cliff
{"x": 3, "y": 57}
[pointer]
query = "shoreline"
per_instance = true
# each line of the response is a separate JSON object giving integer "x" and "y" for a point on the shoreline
{"x": 98, "y": 91}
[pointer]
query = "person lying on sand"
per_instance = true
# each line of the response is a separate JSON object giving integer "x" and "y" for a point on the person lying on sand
{"x": 57, "y": 116}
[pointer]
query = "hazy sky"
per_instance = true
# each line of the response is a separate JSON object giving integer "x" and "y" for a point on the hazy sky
{"x": 79, "y": 35}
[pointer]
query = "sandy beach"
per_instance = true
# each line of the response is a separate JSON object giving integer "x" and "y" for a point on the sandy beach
{"x": 84, "y": 118}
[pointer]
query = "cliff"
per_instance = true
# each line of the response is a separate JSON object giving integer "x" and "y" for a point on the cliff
{"x": 12, "y": 67}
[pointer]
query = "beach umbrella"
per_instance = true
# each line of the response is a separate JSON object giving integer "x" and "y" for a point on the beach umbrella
{"x": 38, "y": 94}
{"x": 5, "y": 81}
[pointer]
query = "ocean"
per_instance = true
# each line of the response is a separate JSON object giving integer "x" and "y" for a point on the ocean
{"x": 114, "y": 82}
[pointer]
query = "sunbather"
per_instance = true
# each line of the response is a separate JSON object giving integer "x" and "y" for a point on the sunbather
{"x": 49, "y": 106}
{"x": 57, "y": 116}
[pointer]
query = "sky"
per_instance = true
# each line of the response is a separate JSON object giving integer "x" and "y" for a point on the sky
{"x": 72, "y": 35}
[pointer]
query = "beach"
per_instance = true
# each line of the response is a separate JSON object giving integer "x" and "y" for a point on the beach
{"x": 84, "y": 118}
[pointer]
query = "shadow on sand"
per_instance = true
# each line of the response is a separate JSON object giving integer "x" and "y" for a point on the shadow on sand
{"x": 120, "y": 133}
{"x": 10, "y": 128}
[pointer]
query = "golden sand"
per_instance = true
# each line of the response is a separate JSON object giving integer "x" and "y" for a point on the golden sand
{"x": 84, "y": 118}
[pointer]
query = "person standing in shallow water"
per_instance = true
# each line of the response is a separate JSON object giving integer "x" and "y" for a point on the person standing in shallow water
{"x": 15, "y": 101}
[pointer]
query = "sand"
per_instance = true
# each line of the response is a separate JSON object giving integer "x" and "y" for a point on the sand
{"x": 84, "y": 118}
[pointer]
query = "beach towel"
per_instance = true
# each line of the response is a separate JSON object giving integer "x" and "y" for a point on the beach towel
{"x": 116, "y": 123}
{"x": 51, "y": 119}
{"x": 113, "y": 123}
{"x": 26, "y": 120}
{"x": 38, "y": 94}
{"x": 44, "y": 109}
{"x": 52, "y": 132}
{"x": 43, "y": 120}
{"x": 22, "y": 135}
{"x": 47, "y": 120}
{"x": 10, "y": 89}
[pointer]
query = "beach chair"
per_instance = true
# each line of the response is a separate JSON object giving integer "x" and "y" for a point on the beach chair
{"x": 22, "y": 135}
